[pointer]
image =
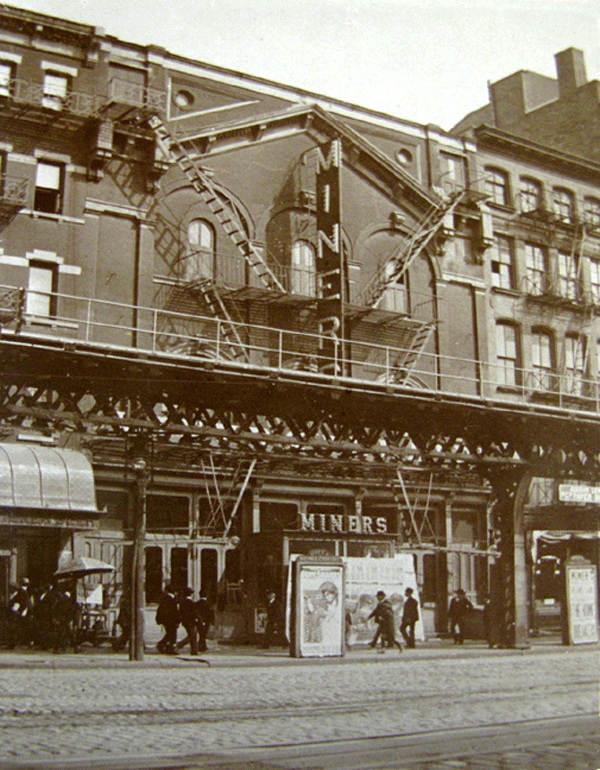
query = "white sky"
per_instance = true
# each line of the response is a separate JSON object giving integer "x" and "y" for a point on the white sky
{"x": 427, "y": 61}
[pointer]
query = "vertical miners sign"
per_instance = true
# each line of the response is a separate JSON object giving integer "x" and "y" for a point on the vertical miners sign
{"x": 330, "y": 262}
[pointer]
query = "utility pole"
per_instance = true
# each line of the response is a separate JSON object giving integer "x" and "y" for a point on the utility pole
{"x": 138, "y": 603}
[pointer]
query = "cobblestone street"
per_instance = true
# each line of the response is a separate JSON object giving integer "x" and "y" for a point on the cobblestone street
{"x": 98, "y": 705}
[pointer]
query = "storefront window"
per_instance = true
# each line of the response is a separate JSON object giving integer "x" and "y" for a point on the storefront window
{"x": 179, "y": 567}
{"x": 154, "y": 574}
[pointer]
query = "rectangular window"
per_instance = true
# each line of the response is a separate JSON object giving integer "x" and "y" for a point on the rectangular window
{"x": 55, "y": 90}
{"x": 7, "y": 71}
{"x": 591, "y": 212}
{"x": 453, "y": 173}
{"x": 502, "y": 263}
{"x": 542, "y": 361}
{"x": 507, "y": 352}
{"x": 496, "y": 186}
{"x": 536, "y": 264}
{"x": 394, "y": 296}
{"x": 568, "y": 280}
{"x": 48, "y": 188}
{"x": 575, "y": 357}
{"x": 595, "y": 281}
{"x": 563, "y": 204}
{"x": 40, "y": 300}
{"x": 530, "y": 195}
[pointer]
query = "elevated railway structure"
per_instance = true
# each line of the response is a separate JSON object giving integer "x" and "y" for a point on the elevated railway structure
{"x": 188, "y": 410}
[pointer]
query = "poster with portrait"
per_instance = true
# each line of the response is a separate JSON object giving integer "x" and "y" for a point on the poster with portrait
{"x": 364, "y": 577}
{"x": 318, "y": 625}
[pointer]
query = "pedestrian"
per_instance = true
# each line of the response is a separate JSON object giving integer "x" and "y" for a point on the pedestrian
{"x": 189, "y": 620}
{"x": 124, "y": 622}
{"x": 19, "y": 608}
{"x": 274, "y": 620}
{"x": 205, "y": 618}
{"x": 488, "y": 621}
{"x": 167, "y": 615}
{"x": 410, "y": 615}
{"x": 384, "y": 617}
{"x": 65, "y": 619}
{"x": 458, "y": 610}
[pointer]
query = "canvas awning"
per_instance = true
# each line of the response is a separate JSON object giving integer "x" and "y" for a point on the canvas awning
{"x": 41, "y": 479}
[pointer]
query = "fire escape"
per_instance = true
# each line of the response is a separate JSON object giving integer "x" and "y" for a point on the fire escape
{"x": 394, "y": 271}
{"x": 226, "y": 214}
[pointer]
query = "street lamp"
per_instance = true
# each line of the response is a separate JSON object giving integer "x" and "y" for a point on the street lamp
{"x": 142, "y": 476}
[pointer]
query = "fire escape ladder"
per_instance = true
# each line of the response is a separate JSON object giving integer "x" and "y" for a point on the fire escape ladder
{"x": 228, "y": 328}
{"x": 222, "y": 208}
{"x": 406, "y": 362}
{"x": 402, "y": 259}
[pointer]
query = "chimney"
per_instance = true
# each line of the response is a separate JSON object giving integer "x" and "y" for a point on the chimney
{"x": 570, "y": 68}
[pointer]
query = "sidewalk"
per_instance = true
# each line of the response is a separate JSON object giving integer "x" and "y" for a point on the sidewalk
{"x": 229, "y": 655}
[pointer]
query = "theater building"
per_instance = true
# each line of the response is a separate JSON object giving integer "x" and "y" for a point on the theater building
{"x": 220, "y": 289}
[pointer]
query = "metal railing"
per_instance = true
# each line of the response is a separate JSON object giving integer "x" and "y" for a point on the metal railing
{"x": 22, "y": 91}
{"x": 115, "y": 326}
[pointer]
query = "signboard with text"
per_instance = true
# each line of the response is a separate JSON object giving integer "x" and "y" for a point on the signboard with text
{"x": 582, "y": 602}
{"x": 330, "y": 269}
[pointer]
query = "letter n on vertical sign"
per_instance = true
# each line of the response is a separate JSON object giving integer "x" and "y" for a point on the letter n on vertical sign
{"x": 330, "y": 263}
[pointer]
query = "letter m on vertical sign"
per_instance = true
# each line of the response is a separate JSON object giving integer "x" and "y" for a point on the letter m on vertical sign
{"x": 330, "y": 261}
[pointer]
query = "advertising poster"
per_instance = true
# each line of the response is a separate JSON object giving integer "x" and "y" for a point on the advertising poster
{"x": 366, "y": 576}
{"x": 319, "y": 610}
{"x": 582, "y": 603}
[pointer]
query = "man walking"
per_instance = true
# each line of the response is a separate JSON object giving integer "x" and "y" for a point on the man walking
{"x": 410, "y": 615}
{"x": 384, "y": 617}
{"x": 167, "y": 615}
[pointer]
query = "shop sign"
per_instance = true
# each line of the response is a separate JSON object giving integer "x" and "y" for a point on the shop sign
{"x": 330, "y": 522}
{"x": 582, "y": 603}
{"x": 578, "y": 493}
{"x": 47, "y": 522}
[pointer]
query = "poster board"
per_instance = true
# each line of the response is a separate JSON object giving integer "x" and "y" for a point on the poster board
{"x": 364, "y": 577}
{"x": 317, "y": 620}
{"x": 582, "y": 602}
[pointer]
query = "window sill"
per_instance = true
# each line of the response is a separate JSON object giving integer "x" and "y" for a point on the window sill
{"x": 54, "y": 217}
{"x": 507, "y": 292}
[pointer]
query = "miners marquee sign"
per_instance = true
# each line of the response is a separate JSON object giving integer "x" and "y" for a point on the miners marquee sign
{"x": 330, "y": 522}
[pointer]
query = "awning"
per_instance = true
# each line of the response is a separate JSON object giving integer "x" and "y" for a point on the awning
{"x": 46, "y": 479}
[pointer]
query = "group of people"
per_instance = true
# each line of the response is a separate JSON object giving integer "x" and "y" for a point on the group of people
{"x": 47, "y": 618}
{"x": 383, "y": 615}
{"x": 176, "y": 607}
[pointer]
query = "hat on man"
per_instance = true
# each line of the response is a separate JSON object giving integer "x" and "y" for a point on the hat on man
{"x": 380, "y": 594}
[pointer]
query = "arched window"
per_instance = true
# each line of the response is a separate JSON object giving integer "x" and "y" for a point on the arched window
{"x": 394, "y": 297}
{"x": 575, "y": 364}
{"x": 303, "y": 278}
{"x": 200, "y": 260}
{"x": 496, "y": 186}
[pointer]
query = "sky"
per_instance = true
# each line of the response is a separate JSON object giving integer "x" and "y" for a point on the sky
{"x": 427, "y": 61}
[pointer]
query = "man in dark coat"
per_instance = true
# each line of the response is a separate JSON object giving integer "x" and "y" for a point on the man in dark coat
{"x": 410, "y": 615}
{"x": 167, "y": 615}
{"x": 205, "y": 615}
{"x": 187, "y": 615}
{"x": 458, "y": 610}
{"x": 384, "y": 617}
{"x": 274, "y": 620}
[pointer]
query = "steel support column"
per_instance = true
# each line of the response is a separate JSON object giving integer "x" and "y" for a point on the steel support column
{"x": 508, "y": 515}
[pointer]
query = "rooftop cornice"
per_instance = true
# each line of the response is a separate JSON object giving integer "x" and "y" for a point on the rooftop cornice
{"x": 489, "y": 136}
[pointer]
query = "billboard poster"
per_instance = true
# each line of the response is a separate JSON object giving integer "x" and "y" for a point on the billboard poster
{"x": 364, "y": 577}
{"x": 319, "y": 604}
{"x": 582, "y": 603}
